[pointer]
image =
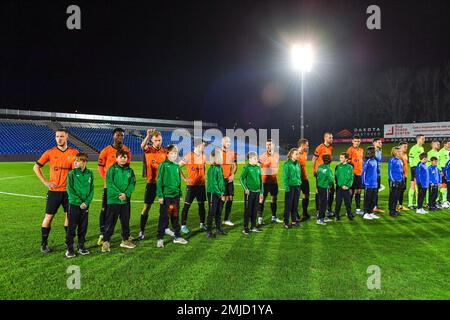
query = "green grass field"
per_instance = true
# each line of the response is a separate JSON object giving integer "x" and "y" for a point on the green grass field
{"x": 311, "y": 262}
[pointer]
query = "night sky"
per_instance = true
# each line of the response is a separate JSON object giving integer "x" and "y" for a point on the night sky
{"x": 219, "y": 61}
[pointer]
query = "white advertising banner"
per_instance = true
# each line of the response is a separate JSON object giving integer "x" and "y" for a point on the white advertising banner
{"x": 410, "y": 130}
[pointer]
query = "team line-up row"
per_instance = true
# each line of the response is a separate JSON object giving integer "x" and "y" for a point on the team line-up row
{"x": 71, "y": 185}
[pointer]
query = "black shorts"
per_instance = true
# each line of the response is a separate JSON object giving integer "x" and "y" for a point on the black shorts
{"x": 229, "y": 189}
{"x": 271, "y": 188}
{"x": 413, "y": 173}
{"x": 195, "y": 192}
{"x": 357, "y": 183}
{"x": 56, "y": 199}
{"x": 305, "y": 187}
{"x": 444, "y": 180}
{"x": 150, "y": 193}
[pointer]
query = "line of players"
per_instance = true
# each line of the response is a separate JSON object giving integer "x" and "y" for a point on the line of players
{"x": 258, "y": 179}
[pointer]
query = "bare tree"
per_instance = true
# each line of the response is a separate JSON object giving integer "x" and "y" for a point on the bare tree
{"x": 428, "y": 93}
{"x": 393, "y": 95}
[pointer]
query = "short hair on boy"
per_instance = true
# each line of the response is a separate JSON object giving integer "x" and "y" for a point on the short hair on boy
{"x": 289, "y": 155}
{"x": 326, "y": 158}
{"x": 423, "y": 155}
{"x": 420, "y": 135}
{"x": 370, "y": 152}
{"x": 118, "y": 130}
{"x": 198, "y": 142}
{"x": 376, "y": 140}
{"x": 252, "y": 154}
{"x": 121, "y": 153}
{"x": 402, "y": 143}
{"x": 394, "y": 150}
{"x": 346, "y": 155}
{"x": 172, "y": 147}
{"x": 81, "y": 156}
{"x": 155, "y": 133}
{"x": 356, "y": 138}
{"x": 302, "y": 142}
{"x": 433, "y": 159}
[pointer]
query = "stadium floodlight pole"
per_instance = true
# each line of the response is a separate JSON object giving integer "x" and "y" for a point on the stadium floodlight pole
{"x": 302, "y": 60}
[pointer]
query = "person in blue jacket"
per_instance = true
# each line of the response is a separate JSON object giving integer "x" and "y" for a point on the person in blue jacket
{"x": 378, "y": 144}
{"x": 396, "y": 181}
{"x": 435, "y": 183}
{"x": 423, "y": 181}
{"x": 370, "y": 182}
{"x": 446, "y": 170}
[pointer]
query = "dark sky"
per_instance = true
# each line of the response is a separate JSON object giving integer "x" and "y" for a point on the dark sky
{"x": 220, "y": 61}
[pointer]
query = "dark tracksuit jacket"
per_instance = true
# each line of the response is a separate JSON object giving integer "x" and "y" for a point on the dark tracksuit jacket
{"x": 215, "y": 188}
{"x": 80, "y": 189}
{"x": 396, "y": 179}
{"x": 344, "y": 178}
{"x": 292, "y": 181}
{"x": 119, "y": 180}
{"x": 446, "y": 170}
{"x": 370, "y": 182}
{"x": 251, "y": 180}
{"x": 435, "y": 181}
{"x": 168, "y": 187}
{"x": 325, "y": 180}
{"x": 423, "y": 182}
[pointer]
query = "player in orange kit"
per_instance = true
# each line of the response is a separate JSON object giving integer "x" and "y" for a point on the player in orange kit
{"x": 356, "y": 154}
{"x": 60, "y": 159}
{"x": 303, "y": 146}
{"x": 269, "y": 169}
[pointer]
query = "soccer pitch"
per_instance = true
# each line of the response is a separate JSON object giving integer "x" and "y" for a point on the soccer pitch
{"x": 310, "y": 262}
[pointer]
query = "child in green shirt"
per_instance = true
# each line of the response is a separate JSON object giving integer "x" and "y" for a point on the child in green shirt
{"x": 251, "y": 182}
{"x": 344, "y": 181}
{"x": 168, "y": 190}
{"x": 325, "y": 180}
{"x": 80, "y": 189}
{"x": 120, "y": 182}
{"x": 215, "y": 189}
{"x": 292, "y": 182}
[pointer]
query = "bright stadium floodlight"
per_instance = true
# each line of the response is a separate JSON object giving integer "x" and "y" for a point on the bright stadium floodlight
{"x": 302, "y": 60}
{"x": 302, "y": 57}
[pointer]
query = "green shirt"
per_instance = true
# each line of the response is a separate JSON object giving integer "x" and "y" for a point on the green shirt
{"x": 168, "y": 184}
{"x": 215, "y": 183}
{"x": 344, "y": 175}
{"x": 119, "y": 180}
{"x": 432, "y": 153}
{"x": 443, "y": 158}
{"x": 251, "y": 179}
{"x": 291, "y": 174}
{"x": 80, "y": 186}
{"x": 325, "y": 176}
{"x": 414, "y": 154}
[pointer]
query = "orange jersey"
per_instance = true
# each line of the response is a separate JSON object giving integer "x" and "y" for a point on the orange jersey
{"x": 302, "y": 157}
{"x": 320, "y": 151}
{"x": 228, "y": 158}
{"x": 61, "y": 162}
{"x": 269, "y": 167}
{"x": 153, "y": 157}
{"x": 356, "y": 159}
{"x": 108, "y": 157}
{"x": 404, "y": 158}
{"x": 196, "y": 168}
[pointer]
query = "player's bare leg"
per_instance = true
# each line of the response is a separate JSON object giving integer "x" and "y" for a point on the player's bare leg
{"x": 144, "y": 219}
{"x": 45, "y": 228}
{"x": 261, "y": 210}
{"x": 228, "y": 204}
{"x": 273, "y": 209}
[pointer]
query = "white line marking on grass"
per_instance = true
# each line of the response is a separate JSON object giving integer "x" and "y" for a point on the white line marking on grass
{"x": 8, "y": 178}
{"x": 381, "y": 188}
